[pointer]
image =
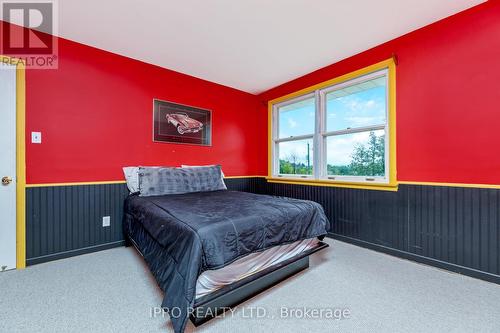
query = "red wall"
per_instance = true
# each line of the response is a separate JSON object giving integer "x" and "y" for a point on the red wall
{"x": 95, "y": 111}
{"x": 95, "y": 115}
{"x": 448, "y": 97}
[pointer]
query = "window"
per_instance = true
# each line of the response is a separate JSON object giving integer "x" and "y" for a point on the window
{"x": 339, "y": 132}
{"x": 294, "y": 138}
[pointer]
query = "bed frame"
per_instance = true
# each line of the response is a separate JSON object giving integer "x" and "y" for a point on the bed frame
{"x": 215, "y": 303}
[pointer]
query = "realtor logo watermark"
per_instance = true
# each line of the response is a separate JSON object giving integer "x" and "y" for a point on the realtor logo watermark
{"x": 30, "y": 35}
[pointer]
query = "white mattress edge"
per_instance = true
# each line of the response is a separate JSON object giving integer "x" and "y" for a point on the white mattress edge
{"x": 212, "y": 280}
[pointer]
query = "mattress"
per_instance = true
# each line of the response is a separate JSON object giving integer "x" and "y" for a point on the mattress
{"x": 212, "y": 280}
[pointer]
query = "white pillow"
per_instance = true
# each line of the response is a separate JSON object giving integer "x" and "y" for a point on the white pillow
{"x": 201, "y": 166}
{"x": 132, "y": 177}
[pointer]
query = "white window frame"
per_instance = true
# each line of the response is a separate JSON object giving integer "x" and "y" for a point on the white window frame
{"x": 320, "y": 134}
{"x": 277, "y": 140}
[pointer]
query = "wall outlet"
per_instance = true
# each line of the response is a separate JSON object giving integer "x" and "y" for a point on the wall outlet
{"x": 106, "y": 221}
{"x": 36, "y": 137}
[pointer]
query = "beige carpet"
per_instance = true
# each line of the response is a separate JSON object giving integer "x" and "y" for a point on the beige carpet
{"x": 113, "y": 291}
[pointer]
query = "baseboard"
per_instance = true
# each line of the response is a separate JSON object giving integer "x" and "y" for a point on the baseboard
{"x": 420, "y": 259}
{"x": 72, "y": 253}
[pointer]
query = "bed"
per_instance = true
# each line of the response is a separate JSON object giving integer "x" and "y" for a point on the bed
{"x": 211, "y": 250}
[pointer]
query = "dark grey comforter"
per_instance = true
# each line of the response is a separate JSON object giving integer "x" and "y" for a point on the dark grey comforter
{"x": 209, "y": 230}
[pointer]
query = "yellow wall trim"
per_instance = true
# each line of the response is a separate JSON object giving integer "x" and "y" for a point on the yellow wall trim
{"x": 77, "y": 183}
{"x": 112, "y": 182}
{"x": 374, "y": 186}
{"x": 492, "y": 186}
{"x": 388, "y": 64}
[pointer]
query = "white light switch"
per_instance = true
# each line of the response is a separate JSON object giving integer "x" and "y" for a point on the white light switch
{"x": 36, "y": 137}
{"x": 106, "y": 221}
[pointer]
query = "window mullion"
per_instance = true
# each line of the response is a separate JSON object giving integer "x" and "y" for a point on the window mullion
{"x": 317, "y": 157}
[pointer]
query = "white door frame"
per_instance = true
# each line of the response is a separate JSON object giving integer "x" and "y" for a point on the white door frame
{"x": 20, "y": 158}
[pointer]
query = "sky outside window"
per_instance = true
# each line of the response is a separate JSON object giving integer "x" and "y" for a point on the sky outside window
{"x": 355, "y": 106}
{"x": 297, "y": 118}
{"x": 360, "y": 105}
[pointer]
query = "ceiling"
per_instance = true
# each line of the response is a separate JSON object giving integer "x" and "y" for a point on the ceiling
{"x": 251, "y": 45}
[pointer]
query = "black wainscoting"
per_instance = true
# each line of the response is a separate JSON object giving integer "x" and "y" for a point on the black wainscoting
{"x": 252, "y": 184}
{"x": 453, "y": 228}
{"x": 64, "y": 221}
{"x": 456, "y": 225}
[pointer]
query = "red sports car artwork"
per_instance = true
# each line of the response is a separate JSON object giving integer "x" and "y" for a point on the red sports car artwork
{"x": 184, "y": 123}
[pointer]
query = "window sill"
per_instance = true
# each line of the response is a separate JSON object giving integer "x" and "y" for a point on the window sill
{"x": 334, "y": 183}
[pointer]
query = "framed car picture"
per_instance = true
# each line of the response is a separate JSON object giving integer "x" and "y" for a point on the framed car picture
{"x": 178, "y": 123}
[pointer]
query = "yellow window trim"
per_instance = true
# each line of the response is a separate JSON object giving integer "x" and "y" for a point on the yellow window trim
{"x": 20, "y": 159}
{"x": 388, "y": 64}
{"x": 332, "y": 183}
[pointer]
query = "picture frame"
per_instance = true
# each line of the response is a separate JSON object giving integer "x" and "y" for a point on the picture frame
{"x": 181, "y": 124}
